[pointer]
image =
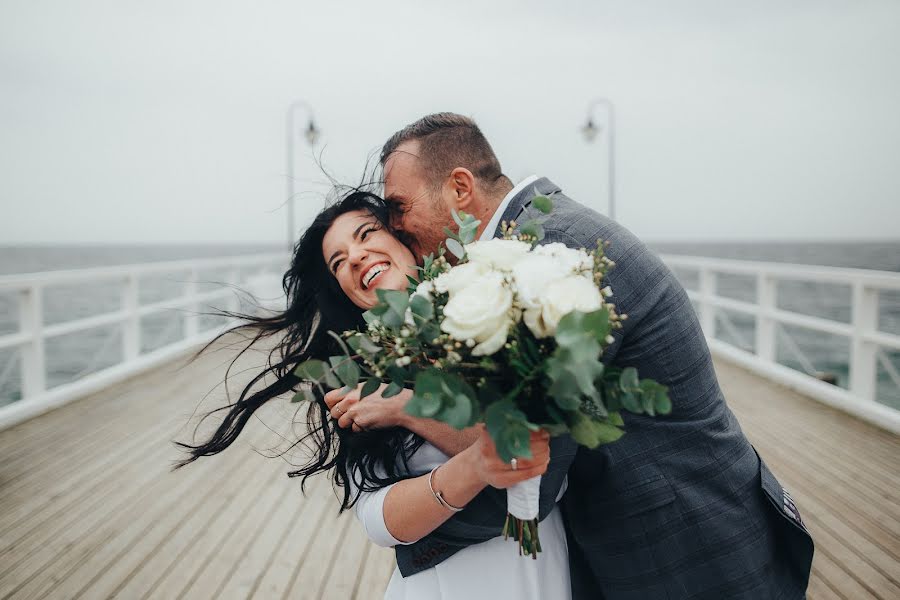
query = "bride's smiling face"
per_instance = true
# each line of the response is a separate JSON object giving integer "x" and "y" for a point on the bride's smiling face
{"x": 364, "y": 257}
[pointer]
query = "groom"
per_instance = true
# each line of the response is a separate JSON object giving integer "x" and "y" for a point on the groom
{"x": 681, "y": 506}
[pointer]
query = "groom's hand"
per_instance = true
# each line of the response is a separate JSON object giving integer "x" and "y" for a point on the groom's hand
{"x": 372, "y": 412}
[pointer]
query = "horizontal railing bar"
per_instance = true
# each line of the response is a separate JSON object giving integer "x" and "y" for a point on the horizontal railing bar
{"x": 11, "y": 340}
{"x": 727, "y": 303}
{"x": 93, "y": 274}
{"x": 785, "y": 317}
{"x": 840, "y": 275}
{"x": 883, "y": 339}
{"x": 181, "y": 301}
{"x": 109, "y": 318}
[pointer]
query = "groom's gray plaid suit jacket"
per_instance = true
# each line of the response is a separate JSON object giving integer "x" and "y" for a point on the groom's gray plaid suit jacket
{"x": 679, "y": 507}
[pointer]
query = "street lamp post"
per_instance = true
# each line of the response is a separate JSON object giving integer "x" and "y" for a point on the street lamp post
{"x": 590, "y": 131}
{"x": 312, "y": 134}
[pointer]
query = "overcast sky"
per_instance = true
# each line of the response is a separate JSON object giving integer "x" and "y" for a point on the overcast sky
{"x": 163, "y": 121}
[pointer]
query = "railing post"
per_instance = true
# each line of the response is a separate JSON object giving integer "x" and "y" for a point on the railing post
{"x": 863, "y": 354}
{"x": 707, "y": 309}
{"x": 765, "y": 325}
{"x": 191, "y": 320}
{"x": 31, "y": 319}
{"x": 131, "y": 327}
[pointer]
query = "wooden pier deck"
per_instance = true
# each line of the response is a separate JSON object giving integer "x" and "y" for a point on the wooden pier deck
{"x": 89, "y": 508}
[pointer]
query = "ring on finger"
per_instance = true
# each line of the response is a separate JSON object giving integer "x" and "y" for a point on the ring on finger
{"x": 515, "y": 464}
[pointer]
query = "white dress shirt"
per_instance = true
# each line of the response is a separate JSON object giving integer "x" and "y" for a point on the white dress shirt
{"x": 491, "y": 228}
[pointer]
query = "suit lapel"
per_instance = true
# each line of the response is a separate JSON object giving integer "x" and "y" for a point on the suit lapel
{"x": 521, "y": 200}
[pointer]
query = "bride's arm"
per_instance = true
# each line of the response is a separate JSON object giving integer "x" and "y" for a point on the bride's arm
{"x": 406, "y": 511}
{"x": 376, "y": 412}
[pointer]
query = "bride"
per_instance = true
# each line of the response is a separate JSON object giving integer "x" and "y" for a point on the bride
{"x": 404, "y": 477}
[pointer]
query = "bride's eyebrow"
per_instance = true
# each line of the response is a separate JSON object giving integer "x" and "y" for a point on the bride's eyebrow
{"x": 355, "y": 235}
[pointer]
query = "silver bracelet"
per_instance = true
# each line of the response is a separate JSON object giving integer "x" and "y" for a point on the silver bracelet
{"x": 437, "y": 495}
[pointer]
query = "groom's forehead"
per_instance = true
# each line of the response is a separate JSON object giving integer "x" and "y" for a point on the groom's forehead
{"x": 403, "y": 168}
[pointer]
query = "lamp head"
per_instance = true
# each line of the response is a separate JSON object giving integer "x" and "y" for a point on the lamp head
{"x": 590, "y": 130}
{"x": 312, "y": 134}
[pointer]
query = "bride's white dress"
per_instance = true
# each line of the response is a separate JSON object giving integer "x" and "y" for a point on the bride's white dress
{"x": 490, "y": 570}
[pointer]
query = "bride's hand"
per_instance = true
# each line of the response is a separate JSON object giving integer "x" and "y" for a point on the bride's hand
{"x": 494, "y": 471}
{"x": 371, "y": 412}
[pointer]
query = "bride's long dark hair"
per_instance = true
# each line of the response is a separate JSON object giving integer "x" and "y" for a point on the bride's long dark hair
{"x": 315, "y": 305}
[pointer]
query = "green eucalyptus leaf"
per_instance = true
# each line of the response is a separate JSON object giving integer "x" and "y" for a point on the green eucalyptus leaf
{"x": 376, "y": 311}
{"x": 367, "y": 345}
{"x": 427, "y": 397}
{"x": 421, "y": 308}
{"x": 457, "y": 412}
{"x": 396, "y": 300}
{"x": 304, "y": 395}
{"x": 451, "y": 235}
{"x": 392, "y": 390}
{"x": 370, "y": 387}
{"x": 630, "y": 402}
{"x": 508, "y": 428}
{"x": 429, "y": 332}
{"x": 346, "y": 370}
{"x": 534, "y": 229}
{"x": 393, "y": 320}
{"x": 456, "y": 248}
{"x": 592, "y": 433}
{"x": 311, "y": 370}
{"x": 396, "y": 374}
{"x": 628, "y": 380}
{"x": 542, "y": 203}
{"x": 663, "y": 401}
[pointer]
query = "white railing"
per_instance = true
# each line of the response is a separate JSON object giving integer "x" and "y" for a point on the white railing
{"x": 868, "y": 344}
{"x": 258, "y": 274}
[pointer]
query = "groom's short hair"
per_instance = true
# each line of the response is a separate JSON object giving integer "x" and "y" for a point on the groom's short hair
{"x": 447, "y": 141}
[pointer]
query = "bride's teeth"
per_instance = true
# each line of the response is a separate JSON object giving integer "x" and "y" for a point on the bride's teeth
{"x": 373, "y": 272}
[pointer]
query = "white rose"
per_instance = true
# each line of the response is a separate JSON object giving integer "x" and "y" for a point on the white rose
{"x": 569, "y": 259}
{"x": 459, "y": 277}
{"x": 424, "y": 289}
{"x": 480, "y": 311}
{"x": 532, "y": 275}
{"x": 500, "y": 254}
{"x": 568, "y": 294}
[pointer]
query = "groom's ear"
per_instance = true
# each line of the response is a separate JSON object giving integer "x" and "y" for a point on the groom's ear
{"x": 462, "y": 188}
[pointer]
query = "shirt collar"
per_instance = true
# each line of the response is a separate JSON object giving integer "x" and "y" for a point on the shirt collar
{"x": 491, "y": 228}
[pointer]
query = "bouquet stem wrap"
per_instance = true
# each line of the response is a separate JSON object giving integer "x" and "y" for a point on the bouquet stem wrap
{"x": 523, "y": 504}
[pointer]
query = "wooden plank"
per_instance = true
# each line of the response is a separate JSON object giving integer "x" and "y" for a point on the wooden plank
{"x": 171, "y": 555}
{"x": 79, "y": 564}
{"x": 26, "y": 557}
{"x": 343, "y": 574}
{"x": 72, "y": 485}
{"x": 224, "y": 541}
{"x": 80, "y": 528}
{"x": 309, "y": 579}
{"x": 380, "y": 564}
{"x": 243, "y": 581}
{"x": 874, "y": 518}
{"x": 208, "y": 486}
{"x": 278, "y": 577}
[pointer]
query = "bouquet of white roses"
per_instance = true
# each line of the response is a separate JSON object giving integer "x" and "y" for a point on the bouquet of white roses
{"x": 513, "y": 336}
